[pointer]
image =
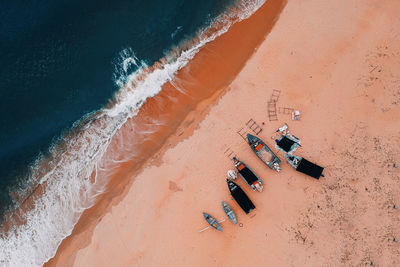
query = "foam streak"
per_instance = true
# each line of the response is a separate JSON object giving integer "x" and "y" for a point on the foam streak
{"x": 73, "y": 182}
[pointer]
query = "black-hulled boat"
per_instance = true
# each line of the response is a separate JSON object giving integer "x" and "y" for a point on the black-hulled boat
{"x": 288, "y": 143}
{"x": 305, "y": 166}
{"x": 240, "y": 197}
{"x": 248, "y": 175}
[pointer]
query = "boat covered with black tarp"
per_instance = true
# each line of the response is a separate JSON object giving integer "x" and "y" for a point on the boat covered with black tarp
{"x": 285, "y": 144}
{"x": 240, "y": 197}
{"x": 248, "y": 175}
{"x": 288, "y": 143}
{"x": 304, "y": 166}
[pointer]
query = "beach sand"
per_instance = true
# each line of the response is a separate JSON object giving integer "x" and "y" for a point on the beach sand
{"x": 338, "y": 62}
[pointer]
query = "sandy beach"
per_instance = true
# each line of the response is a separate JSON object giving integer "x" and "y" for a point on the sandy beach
{"x": 338, "y": 62}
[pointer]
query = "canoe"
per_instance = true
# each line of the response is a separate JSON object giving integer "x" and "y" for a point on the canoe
{"x": 212, "y": 221}
{"x": 240, "y": 197}
{"x": 263, "y": 152}
{"x": 248, "y": 175}
{"x": 229, "y": 212}
{"x": 304, "y": 166}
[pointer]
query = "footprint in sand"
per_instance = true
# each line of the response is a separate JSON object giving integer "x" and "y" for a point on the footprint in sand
{"x": 174, "y": 187}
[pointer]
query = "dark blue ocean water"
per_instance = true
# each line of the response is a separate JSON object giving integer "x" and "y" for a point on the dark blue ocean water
{"x": 57, "y": 62}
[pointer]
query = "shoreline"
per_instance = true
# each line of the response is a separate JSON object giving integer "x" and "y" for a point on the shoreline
{"x": 322, "y": 57}
{"x": 200, "y": 69}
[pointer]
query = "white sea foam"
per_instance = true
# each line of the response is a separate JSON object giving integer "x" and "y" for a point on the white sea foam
{"x": 178, "y": 29}
{"x": 69, "y": 187}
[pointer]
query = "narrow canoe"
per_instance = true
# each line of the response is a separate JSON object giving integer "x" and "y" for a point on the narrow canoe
{"x": 212, "y": 221}
{"x": 229, "y": 212}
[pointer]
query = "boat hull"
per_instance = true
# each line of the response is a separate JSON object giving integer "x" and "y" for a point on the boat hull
{"x": 240, "y": 197}
{"x": 229, "y": 212}
{"x": 248, "y": 175}
{"x": 212, "y": 221}
{"x": 304, "y": 166}
{"x": 263, "y": 152}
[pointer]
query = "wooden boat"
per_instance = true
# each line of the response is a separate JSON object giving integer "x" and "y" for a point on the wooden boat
{"x": 304, "y": 166}
{"x": 248, "y": 175}
{"x": 240, "y": 197}
{"x": 212, "y": 221}
{"x": 264, "y": 152}
{"x": 288, "y": 143}
{"x": 229, "y": 212}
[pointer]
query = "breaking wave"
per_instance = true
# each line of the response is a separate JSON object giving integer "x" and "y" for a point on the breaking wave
{"x": 68, "y": 179}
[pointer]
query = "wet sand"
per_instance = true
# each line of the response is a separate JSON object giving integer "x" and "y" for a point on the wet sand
{"x": 338, "y": 62}
{"x": 188, "y": 97}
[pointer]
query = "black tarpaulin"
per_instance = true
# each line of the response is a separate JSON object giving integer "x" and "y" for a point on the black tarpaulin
{"x": 241, "y": 198}
{"x": 309, "y": 168}
{"x": 248, "y": 175}
{"x": 286, "y": 144}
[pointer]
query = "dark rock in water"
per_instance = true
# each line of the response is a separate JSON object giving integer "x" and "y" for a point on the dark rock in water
{"x": 395, "y": 165}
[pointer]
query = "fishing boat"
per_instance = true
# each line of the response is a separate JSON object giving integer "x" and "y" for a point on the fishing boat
{"x": 288, "y": 143}
{"x": 248, "y": 175}
{"x": 212, "y": 221}
{"x": 264, "y": 152}
{"x": 240, "y": 197}
{"x": 304, "y": 166}
{"x": 229, "y": 212}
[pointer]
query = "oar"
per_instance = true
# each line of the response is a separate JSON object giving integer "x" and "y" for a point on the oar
{"x": 210, "y": 226}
